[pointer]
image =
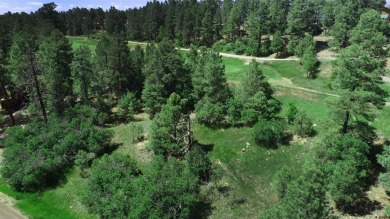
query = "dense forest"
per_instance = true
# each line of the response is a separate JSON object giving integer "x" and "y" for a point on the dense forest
{"x": 60, "y": 104}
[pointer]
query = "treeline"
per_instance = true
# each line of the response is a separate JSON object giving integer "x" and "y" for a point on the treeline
{"x": 243, "y": 26}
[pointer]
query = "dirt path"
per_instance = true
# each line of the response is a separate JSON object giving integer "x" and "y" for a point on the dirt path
{"x": 247, "y": 59}
{"x": 7, "y": 209}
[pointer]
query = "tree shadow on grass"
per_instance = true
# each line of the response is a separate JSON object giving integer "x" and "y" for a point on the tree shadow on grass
{"x": 362, "y": 207}
{"x": 365, "y": 206}
{"x": 202, "y": 210}
{"x": 205, "y": 147}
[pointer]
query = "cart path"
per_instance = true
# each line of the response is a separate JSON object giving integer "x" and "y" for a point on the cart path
{"x": 7, "y": 209}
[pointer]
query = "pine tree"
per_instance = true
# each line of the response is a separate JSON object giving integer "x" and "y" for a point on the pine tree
{"x": 278, "y": 45}
{"x": 170, "y": 132}
{"x": 82, "y": 71}
{"x": 24, "y": 64}
{"x": 310, "y": 61}
{"x": 358, "y": 73}
{"x": 212, "y": 105}
{"x": 165, "y": 74}
{"x": 55, "y": 56}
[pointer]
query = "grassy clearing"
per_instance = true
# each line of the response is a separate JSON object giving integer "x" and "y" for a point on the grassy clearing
{"x": 62, "y": 202}
{"x": 78, "y": 41}
{"x": 249, "y": 173}
{"x": 136, "y": 150}
{"x": 285, "y": 74}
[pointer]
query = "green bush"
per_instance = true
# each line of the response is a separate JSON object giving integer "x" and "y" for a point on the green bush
{"x": 270, "y": 133}
{"x": 239, "y": 47}
{"x": 208, "y": 113}
{"x": 103, "y": 110}
{"x": 303, "y": 126}
{"x": 292, "y": 112}
{"x": 199, "y": 163}
{"x": 265, "y": 49}
{"x": 109, "y": 188}
{"x": 38, "y": 155}
{"x": 128, "y": 106}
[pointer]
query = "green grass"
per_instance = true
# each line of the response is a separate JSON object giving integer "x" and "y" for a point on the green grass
{"x": 382, "y": 122}
{"x": 137, "y": 151}
{"x": 281, "y": 73}
{"x": 234, "y": 69}
{"x": 78, "y": 41}
{"x": 249, "y": 173}
{"x": 62, "y": 202}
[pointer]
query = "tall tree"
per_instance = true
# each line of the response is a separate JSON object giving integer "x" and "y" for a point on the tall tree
{"x": 115, "y": 21}
{"x": 211, "y": 107}
{"x": 113, "y": 64}
{"x": 345, "y": 155}
{"x": 168, "y": 189}
{"x": 55, "y": 55}
{"x": 5, "y": 97}
{"x": 358, "y": 73}
{"x": 278, "y": 12}
{"x": 24, "y": 64}
{"x": 256, "y": 96}
{"x": 170, "y": 132}
{"x": 165, "y": 73}
{"x": 82, "y": 71}
{"x": 310, "y": 61}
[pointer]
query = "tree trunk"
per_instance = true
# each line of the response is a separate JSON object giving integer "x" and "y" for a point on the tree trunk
{"x": 9, "y": 111}
{"x": 346, "y": 122}
{"x": 37, "y": 88}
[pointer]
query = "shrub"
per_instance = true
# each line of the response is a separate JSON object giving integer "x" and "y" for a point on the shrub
{"x": 199, "y": 163}
{"x": 109, "y": 188}
{"x": 303, "y": 126}
{"x": 128, "y": 105}
{"x": 239, "y": 47}
{"x": 265, "y": 49}
{"x": 269, "y": 133}
{"x": 38, "y": 155}
{"x": 208, "y": 113}
{"x": 291, "y": 113}
{"x": 103, "y": 110}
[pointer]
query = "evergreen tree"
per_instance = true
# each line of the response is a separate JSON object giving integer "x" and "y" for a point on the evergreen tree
{"x": 278, "y": 45}
{"x": 304, "y": 198}
{"x": 82, "y": 71}
{"x": 310, "y": 61}
{"x": 113, "y": 64}
{"x": 5, "y": 97}
{"x": 55, "y": 56}
{"x": 165, "y": 73}
{"x": 357, "y": 76}
{"x": 370, "y": 33}
{"x": 168, "y": 189}
{"x": 115, "y": 21}
{"x": 24, "y": 64}
{"x": 256, "y": 96}
{"x": 302, "y": 18}
{"x": 303, "y": 44}
{"x": 211, "y": 107}
{"x": 278, "y": 13}
{"x": 109, "y": 189}
{"x": 345, "y": 155}
{"x": 170, "y": 132}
